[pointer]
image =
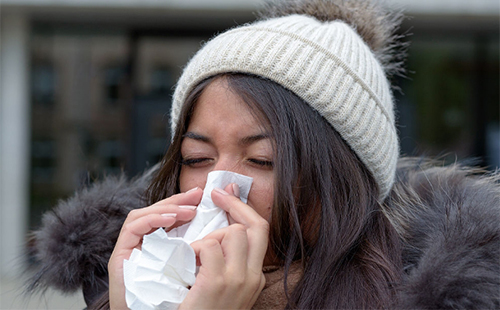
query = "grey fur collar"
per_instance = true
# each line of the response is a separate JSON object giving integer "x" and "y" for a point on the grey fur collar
{"x": 448, "y": 219}
{"x": 76, "y": 238}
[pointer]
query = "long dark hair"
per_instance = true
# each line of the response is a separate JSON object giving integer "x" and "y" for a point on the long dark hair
{"x": 325, "y": 214}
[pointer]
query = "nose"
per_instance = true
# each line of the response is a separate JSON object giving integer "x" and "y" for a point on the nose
{"x": 227, "y": 163}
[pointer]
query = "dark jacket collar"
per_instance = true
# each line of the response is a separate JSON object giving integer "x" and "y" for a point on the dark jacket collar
{"x": 448, "y": 219}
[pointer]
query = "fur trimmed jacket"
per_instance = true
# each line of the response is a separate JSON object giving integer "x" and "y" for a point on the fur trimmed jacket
{"x": 448, "y": 219}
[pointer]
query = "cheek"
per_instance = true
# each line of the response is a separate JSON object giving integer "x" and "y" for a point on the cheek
{"x": 261, "y": 198}
{"x": 189, "y": 179}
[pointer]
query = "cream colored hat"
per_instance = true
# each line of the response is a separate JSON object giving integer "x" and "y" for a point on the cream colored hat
{"x": 327, "y": 64}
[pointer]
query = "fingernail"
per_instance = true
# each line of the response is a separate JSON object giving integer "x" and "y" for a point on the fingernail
{"x": 192, "y": 190}
{"x": 187, "y": 207}
{"x": 221, "y": 191}
{"x": 169, "y": 215}
{"x": 236, "y": 190}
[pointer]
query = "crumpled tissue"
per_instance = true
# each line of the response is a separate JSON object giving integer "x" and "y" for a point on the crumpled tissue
{"x": 158, "y": 276}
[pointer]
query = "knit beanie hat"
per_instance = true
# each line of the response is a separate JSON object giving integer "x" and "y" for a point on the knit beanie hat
{"x": 314, "y": 49}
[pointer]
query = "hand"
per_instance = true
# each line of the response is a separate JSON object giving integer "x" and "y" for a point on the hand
{"x": 167, "y": 213}
{"x": 230, "y": 259}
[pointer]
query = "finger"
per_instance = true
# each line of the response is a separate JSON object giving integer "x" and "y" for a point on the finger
{"x": 189, "y": 198}
{"x": 257, "y": 227}
{"x": 239, "y": 211}
{"x": 232, "y": 189}
{"x": 183, "y": 214}
{"x": 230, "y": 219}
{"x": 234, "y": 243}
{"x": 210, "y": 255}
{"x": 132, "y": 233}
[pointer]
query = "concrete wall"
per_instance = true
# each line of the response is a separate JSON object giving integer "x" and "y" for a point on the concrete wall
{"x": 14, "y": 140}
{"x": 481, "y": 7}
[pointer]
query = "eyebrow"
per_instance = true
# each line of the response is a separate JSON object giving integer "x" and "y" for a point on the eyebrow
{"x": 254, "y": 138}
{"x": 195, "y": 136}
{"x": 244, "y": 141}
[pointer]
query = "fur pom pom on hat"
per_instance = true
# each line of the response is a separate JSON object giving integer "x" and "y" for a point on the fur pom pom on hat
{"x": 332, "y": 54}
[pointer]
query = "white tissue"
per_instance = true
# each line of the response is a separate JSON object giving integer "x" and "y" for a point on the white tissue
{"x": 158, "y": 276}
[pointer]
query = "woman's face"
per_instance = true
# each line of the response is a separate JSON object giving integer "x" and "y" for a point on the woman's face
{"x": 224, "y": 135}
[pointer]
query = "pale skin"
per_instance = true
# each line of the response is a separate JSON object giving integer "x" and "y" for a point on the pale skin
{"x": 222, "y": 135}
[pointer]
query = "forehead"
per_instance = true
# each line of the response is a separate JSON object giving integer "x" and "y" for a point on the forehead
{"x": 219, "y": 103}
{"x": 218, "y": 95}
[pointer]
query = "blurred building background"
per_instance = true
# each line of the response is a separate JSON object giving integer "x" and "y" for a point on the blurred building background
{"x": 86, "y": 85}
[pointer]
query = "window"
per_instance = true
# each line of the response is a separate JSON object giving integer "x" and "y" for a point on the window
{"x": 114, "y": 77}
{"x": 162, "y": 81}
{"x": 43, "y": 84}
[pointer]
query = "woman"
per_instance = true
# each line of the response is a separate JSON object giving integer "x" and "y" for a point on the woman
{"x": 258, "y": 128}
{"x": 301, "y": 103}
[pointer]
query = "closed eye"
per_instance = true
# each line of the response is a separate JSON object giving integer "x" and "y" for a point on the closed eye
{"x": 193, "y": 162}
{"x": 264, "y": 163}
